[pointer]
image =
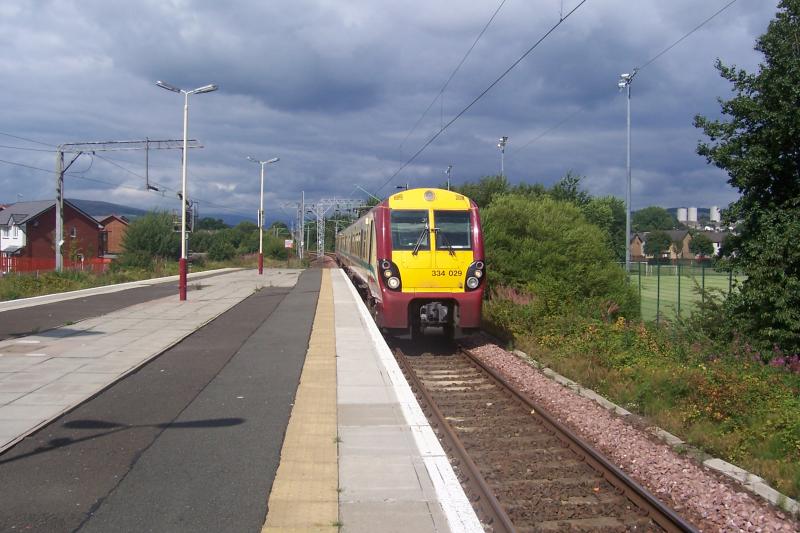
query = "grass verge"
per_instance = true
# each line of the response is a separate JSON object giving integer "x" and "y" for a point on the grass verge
{"x": 26, "y": 285}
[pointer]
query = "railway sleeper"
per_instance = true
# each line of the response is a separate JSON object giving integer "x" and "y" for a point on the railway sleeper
{"x": 555, "y": 510}
{"x": 605, "y": 524}
{"x": 528, "y": 455}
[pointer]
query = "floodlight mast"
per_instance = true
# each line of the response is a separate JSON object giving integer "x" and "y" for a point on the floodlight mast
{"x": 502, "y": 146}
{"x": 625, "y": 81}
{"x": 174, "y": 89}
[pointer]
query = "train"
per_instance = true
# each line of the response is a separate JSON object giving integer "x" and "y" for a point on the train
{"x": 418, "y": 260}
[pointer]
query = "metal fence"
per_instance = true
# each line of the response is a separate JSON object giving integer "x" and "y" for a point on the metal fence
{"x": 14, "y": 264}
{"x": 675, "y": 290}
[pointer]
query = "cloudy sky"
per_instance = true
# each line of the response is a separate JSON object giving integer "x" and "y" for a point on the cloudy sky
{"x": 334, "y": 87}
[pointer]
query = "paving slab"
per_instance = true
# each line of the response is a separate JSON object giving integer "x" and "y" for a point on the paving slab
{"x": 67, "y": 361}
{"x": 393, "y": 473}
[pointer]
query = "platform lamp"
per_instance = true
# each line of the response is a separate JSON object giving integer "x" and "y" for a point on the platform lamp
{"x": 185, "y": 93}
{"x": 261, "y": 212}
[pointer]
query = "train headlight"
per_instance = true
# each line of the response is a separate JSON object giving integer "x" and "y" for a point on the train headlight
{"x": 387, "y": 273}
{"x": 386, "y": 265}
{"x": 475, "y": 275}
{"x": 394, "y": 282}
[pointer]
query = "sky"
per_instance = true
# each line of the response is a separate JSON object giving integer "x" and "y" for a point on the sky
{"x": 335, "y": 87}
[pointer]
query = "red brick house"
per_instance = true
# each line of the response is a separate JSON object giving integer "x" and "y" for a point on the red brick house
{"x": 114, "y": 228}
{"x": 27, "y": 230}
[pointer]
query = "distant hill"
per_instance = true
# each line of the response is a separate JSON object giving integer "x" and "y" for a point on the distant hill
{"x": 95, "y": 208}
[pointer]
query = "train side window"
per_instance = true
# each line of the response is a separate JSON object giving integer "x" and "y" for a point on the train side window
{"x": 408, "y": 228}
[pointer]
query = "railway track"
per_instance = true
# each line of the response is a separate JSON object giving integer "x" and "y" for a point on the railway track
{"x": 522, "y": 469}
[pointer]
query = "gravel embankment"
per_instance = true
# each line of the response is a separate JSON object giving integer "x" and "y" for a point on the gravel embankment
{"x": 701, "y": 495}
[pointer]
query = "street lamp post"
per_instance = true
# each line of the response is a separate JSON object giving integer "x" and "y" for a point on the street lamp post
{"x": 625, "y": 81}
{"x": 261, "y": 212}
{"x": 182, "y": 260}
{"x": 449, "y": 168}
{"x": 502, "y": 146}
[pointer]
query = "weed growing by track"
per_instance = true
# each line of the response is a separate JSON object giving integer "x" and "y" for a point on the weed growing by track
{"x": 724, "y": 397}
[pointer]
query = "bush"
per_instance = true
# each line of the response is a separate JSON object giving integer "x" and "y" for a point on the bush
{"x": 547, "y": 248}
{"x": 221, "y": 250}
{"x": 148, "y": 237}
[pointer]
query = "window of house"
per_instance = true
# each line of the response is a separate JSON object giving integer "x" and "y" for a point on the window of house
{"x": 16, "y": 231}
{"x": 73, "y": 232}
{"x": 5, "y": 232}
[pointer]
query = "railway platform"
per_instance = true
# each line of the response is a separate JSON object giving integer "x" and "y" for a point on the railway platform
{"x": 352, "y": 452}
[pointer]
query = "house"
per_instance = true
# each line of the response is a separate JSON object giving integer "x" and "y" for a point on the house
{"x": 27, "y": 230}
{"x": 717, "y": 239}
{"x": 679, "y": 249}
{"x": 114, "y": 228}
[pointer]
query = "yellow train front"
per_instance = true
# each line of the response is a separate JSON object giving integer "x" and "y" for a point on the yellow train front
{"x": 418, "y": 259}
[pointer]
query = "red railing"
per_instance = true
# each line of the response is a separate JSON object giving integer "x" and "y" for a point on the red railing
{"x": 10, "y": 264}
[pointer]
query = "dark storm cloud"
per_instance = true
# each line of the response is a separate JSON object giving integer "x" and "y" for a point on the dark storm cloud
{"x": 333, "y": 88}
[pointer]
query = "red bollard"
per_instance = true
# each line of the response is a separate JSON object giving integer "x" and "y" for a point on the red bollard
{"x": 261, "y": 263}
{"x": 182, "y": 278}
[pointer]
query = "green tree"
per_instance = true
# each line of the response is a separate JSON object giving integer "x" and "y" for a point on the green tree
{"x": 211, "y": 223}
{"x": 485, "y": 190}
{"x": 701, "y": 245}
{"x": 757, "y": 142}
{"x": 568, "y": 189}
{"x": 608, "y": 213}
{"x": 548, "y": 247}
{"x": 653, "y": 218}
{"x": 149, "y": 237}
{"x": 657, "y": 244}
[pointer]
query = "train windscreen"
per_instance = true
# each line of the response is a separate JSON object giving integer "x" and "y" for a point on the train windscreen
{"x": 452, "y": 230}
{"x": 410, "y": 229}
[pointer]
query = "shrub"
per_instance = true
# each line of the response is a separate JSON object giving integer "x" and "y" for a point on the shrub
{"x": 547, "y": 248}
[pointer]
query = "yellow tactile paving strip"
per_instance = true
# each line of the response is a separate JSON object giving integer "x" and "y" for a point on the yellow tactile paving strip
{"x": 304, "y": 495}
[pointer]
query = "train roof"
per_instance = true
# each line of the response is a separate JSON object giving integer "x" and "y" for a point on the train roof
{"x": 422, "y": 197}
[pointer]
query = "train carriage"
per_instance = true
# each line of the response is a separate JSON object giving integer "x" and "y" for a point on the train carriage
{"x": 418, "y": 259}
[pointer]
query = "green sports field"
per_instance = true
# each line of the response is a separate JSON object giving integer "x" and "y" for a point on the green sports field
{"x": 669, "y": 293}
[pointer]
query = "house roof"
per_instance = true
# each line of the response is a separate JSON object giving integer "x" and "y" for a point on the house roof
{"x": 715, "y": 236}
{"x": 104, "y": 219}
{"x": 675, "y": 235}
{"x": 22, "y": 212}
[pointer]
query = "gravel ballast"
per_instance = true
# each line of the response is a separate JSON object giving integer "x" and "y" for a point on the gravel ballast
{"x": 700, "y": 494}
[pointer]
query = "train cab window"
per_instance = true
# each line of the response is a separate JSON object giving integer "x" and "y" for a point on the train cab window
{"x": 410, "y": 227}
{"x": 453, "y": 230}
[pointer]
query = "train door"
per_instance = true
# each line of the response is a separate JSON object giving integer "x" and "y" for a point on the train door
{"x": 453, "y": 248}
{"x": 411, "y": 246}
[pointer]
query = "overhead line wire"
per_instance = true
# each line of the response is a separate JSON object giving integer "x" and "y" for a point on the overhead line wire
{"x": 482, "y": 94}
{"x": 25, "y": 139}
{"x": 673, "y": 45}
{"x": 647, "y": 63}
{"x": 452, "y": 74}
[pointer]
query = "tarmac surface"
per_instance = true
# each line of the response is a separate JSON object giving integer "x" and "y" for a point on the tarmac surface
{"x": 265, "y": 403}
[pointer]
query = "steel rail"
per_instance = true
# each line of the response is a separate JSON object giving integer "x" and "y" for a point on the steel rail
{"x": 494, "y": 512}
{"x": 662, "y": 515}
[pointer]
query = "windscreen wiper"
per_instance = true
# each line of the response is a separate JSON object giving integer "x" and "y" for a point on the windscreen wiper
{"x": 422, "y": 234}
{"x": 445, "y": 240}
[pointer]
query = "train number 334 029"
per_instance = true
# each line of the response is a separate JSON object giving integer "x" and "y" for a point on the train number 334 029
{"x": 438, "y": 273}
